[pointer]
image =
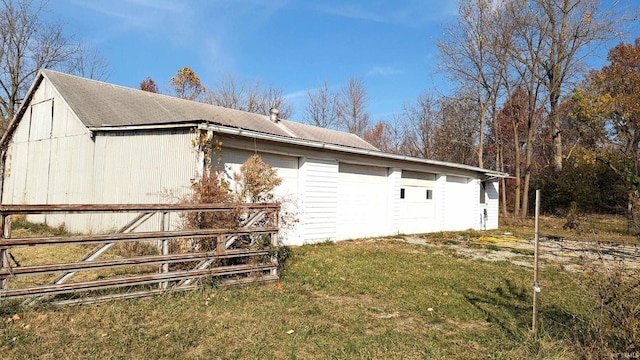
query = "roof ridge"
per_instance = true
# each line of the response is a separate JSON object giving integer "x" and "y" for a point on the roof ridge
{"x": 99, "y": 104}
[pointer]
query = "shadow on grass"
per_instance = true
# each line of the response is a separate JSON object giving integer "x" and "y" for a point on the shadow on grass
{"x": 506, "y": 305}
{"x": 510, "y": 306}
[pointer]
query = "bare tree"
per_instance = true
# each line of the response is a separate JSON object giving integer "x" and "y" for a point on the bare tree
{"x": 240, "y": 95}
{"x": 28, "y": 44}
{"x": 321, "y": 107}
{"x": 472, "y": 52}
{"x": 90, "y": 63}
{"x": 272, "y": 97}
{"x": 230, "y": 93}
{"x": 456, "y": 138}
{"x": 387, "y": 136}
{"x": 422, "y": 123}
{"x": 513, "y": 120}
{"x": 569, "y": 31}
{"x": 525, "y": 61}
{"x": 351, "y": 111}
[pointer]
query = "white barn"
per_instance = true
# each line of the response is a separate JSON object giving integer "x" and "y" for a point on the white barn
{"x": 80, "y": 141}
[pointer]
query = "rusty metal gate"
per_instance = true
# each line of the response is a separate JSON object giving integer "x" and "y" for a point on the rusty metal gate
{"x": 239, "y": 250}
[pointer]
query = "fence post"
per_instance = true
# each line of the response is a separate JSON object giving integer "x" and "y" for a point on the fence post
{"x": 4, "y": 260}
{"x": 221, "y": 247}
{"x": 274, "y": 243}
{"x": 536, "y": 287}
{"x": 4, "y": 252}
{"x": 165, "y": 246}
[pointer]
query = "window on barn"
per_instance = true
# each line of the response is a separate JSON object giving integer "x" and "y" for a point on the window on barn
{"x": 429, "y": 194}
{"x": 483, "y": 193}
{"x": 402, "y": 193}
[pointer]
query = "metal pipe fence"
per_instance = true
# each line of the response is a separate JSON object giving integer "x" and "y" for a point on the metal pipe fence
{"x": 236, "y": 246}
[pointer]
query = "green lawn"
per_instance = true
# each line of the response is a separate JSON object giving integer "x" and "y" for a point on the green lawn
{"x": 380, "y": 299}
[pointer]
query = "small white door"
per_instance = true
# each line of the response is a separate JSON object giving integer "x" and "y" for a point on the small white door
{"x": 460, "y": 207}
{"x": 417, "y": 204}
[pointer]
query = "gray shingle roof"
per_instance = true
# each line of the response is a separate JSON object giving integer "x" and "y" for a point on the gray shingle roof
{"x": 102, "y": 105}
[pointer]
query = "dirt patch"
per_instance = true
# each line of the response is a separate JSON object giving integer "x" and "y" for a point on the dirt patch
{"x": 564, "y": 252}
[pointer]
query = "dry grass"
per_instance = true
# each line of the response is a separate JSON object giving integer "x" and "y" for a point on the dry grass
{"x": 379, "y": 298}
{"x": 596, "y": 227}
{"x": 362, "y": 299}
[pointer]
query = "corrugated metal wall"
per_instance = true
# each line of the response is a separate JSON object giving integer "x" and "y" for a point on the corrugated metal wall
{"x": 58, "y": 162}
{"x": 142, "y": 167}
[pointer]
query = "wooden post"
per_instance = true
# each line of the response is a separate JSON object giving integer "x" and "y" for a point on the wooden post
{"x": 165, "y": 247}
{"x": 4, "y": 255}
{"x": 274, "y": 242}
{"x": 221, "y": 247}
{"x": 536, "y": 287}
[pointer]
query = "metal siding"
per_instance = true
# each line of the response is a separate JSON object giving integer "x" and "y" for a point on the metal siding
{"x": 16, "y": 167}
{"x": 21, "y": 135}
{"x": 143, "y": 167}
{"x": 37, "y": 181}
{"x": 178, "y": 164}
{"x": 70, "y": 178}
{"x": 41, "y": 120}
{"x": 45, "y": 164}
{"x": 319, "y": 193}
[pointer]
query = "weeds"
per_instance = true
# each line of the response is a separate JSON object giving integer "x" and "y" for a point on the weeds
{"x": 20, "y": 222}
{"x": 135, "y": 248}
{"x": 615, "y": 291}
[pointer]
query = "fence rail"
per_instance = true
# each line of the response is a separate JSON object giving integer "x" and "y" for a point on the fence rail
{"x": 240, "y": 252}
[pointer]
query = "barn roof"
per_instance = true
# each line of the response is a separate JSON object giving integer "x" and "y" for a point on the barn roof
{"x": 101, "y": 105}
{"x": 107, "y": 107}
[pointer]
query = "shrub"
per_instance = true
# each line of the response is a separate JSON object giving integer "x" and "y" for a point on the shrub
{"x": 256, "y": 181}
{"x": 211, "y": 188}
{"x": 615, "y": 290}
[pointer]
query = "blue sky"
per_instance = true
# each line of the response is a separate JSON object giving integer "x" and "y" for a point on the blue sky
{"x": 292, "y": 44}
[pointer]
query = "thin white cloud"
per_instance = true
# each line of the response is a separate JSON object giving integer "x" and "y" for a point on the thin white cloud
{"x": 385, "y": 71}
{"x": 353, "y": 11}
{"x": 143, "y": 14}
{"x": 414, "y": 13}
{"x": 296, "y": 94}
{"x": 217, "y": 59}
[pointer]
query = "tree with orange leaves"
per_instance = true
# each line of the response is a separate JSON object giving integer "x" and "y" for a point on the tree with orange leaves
{"x": 186, "y": 84}
{"x": 608, "y": 112}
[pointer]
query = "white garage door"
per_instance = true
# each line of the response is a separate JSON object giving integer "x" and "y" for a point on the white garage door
{"x": 286, "y": 193}
{"x": 362, "y": 201}
{"x": 286, "y": 166}
{"x": 417, "y": 207}
{"x": 458, "y": 209}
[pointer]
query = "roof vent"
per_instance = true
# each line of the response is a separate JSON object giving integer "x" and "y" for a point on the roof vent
{"x": 273, "y": 114}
